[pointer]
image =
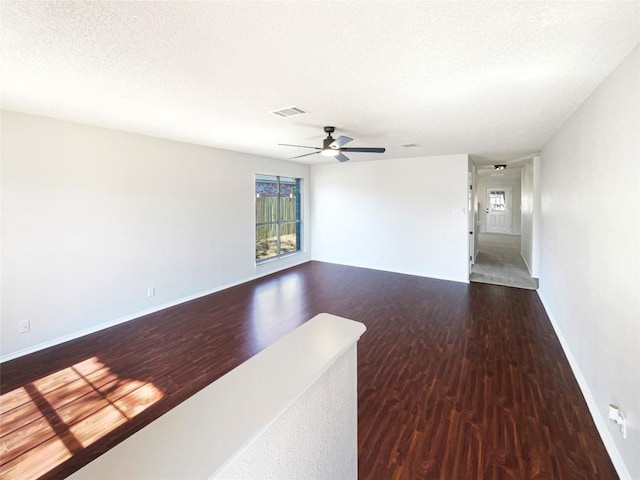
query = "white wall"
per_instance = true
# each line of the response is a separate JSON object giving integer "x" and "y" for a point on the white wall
{"x": 91, "y": 217}
{"x": 315, "y": 439}
{"x": 526, "y": 230}
{"x": 590, "y": 265}
{"x": 537, "y": 218}
{"x": 403, "y": 215}
{"x": 510, "y": 180}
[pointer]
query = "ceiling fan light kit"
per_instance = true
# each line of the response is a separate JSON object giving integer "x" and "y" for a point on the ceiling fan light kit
{"x": 329, "y": 152}
{"x": 333, "y": 147}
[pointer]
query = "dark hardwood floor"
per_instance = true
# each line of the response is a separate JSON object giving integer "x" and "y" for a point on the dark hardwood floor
{"x": 456, "y": 381}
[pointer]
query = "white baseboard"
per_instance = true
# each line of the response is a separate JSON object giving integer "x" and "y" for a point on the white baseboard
{"x": 526, "y": 264}
{"x": 133, "y": 316}
{"x": 599, "y": 420}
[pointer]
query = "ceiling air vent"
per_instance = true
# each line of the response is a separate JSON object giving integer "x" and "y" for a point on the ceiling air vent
{"x": 289, "y": 112}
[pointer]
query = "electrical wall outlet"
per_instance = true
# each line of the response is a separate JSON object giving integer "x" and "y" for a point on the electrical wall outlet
{"x": 24, "y": 326}
{"x": 151, "y": 292}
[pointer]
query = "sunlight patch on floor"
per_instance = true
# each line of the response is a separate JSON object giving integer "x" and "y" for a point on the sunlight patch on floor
{"x": 46, "y": 422}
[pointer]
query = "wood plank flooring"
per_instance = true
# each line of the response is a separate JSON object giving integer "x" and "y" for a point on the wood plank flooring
{"x": 456, "y": 381}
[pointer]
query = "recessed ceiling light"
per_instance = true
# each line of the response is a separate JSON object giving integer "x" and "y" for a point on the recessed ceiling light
{"x": 410, "y": 145}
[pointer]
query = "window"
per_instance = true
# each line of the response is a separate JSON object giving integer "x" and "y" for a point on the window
{"x": 278, "y": 222}
{"x": 497, "y": 201}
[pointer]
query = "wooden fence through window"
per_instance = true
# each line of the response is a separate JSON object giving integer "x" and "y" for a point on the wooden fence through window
{"x": 266, "y": 212}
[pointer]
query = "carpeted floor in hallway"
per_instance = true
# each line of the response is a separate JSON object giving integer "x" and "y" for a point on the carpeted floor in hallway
{"x": 499, "y": 262}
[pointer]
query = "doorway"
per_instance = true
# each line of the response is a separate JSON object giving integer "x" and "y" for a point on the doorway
{"x": 504, "y": 213}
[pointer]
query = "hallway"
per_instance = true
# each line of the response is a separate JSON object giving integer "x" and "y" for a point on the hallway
{"x": 499, "y": 262}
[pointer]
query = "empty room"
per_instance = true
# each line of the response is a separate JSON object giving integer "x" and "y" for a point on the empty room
{"x": 320, "y": 240}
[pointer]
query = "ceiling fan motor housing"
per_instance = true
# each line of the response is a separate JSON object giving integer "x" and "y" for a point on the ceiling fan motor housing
{"x": 326, "y": 143}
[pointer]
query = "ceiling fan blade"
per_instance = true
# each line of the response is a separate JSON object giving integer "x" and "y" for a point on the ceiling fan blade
{"x": 341, "y": 158}
{"x": 364, "y": 149}
{"x": 305, "y": 155}
{"x": 301, "y": 146}
{"x": 342, "y": 140}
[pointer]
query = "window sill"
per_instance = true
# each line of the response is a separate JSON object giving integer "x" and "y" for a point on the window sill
{"x": 276, "y": 259}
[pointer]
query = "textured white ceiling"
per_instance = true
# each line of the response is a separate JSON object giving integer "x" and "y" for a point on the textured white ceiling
{"x": 494, "y": 79}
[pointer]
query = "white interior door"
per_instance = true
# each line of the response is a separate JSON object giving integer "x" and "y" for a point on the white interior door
{"x": 471, "y": 222}
{"x": 498, "y": 210}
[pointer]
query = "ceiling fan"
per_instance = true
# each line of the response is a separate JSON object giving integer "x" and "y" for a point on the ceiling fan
{"x": 333, "y": 147}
